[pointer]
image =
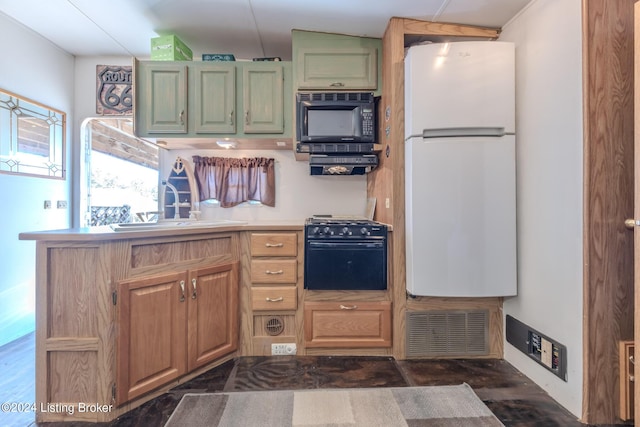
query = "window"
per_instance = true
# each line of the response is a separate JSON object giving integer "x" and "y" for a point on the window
{"x": 121, "y": 174}
{"x": 32, "y": 137}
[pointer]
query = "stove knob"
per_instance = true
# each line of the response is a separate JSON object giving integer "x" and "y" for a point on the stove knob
{"x": 364, "y": 231}
{"x": 345, "y": 231}
{"x": 326, "y": 230}
{"x": 315, "y": 230}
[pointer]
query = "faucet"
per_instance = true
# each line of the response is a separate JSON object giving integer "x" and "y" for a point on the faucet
{"x": 176, "y": 199}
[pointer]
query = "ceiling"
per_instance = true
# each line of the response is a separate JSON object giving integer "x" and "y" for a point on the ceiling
{"x": 245, "y": 28}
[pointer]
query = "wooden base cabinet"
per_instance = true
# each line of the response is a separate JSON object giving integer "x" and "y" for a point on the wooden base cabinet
{"x": 212, "y": 314}
{"x": 171, "y": 324}
{"x": 351, "y": 324}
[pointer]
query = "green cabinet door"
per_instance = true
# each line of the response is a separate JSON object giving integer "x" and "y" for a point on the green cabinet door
{"x": 334, "y": 68}
{"x": 263, "y": 98}
{"x": 161, "y": 96}
{"x": 214, "y": 98}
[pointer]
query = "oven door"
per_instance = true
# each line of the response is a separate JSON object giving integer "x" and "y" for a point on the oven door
{"x": 346, "y": 265}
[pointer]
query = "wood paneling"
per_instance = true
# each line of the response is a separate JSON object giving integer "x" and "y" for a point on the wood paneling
{"x": 77, "y": 365}
{"x": 636, "y": 209}
{"x": 608, "y": 200}
{"x": 66, "y": 289}
{"x": 154, "y": 253}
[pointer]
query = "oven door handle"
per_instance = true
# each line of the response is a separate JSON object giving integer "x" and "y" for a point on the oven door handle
{"x": 346, "y": 245}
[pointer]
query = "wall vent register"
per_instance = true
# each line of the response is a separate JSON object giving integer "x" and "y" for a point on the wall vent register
{"x": 447, "y": 333}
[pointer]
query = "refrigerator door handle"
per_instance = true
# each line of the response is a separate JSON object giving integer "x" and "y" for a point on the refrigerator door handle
{"x": 467, "y": 131}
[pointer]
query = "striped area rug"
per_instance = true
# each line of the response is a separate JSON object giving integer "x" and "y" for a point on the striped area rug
{"x": 442, "y": 406}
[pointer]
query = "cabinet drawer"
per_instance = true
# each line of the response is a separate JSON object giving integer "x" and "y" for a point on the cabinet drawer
{"x": 274, "y": 244}
{"x": 349, "y": 324}
{"x": 274, "y": 271}
{"x": 274, "y": 298}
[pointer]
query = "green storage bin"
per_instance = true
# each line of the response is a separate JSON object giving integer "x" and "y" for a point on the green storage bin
{"x": 170, "y": 48}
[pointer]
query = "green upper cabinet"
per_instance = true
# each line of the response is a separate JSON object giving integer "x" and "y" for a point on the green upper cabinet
{"x": 263, "y": 98}
{"x": 336, "y": 62}
{"x": 337, "y": 68}
{"x": 163, "y": 87}
{"x": 196, "y": 99}
{"x": 214, "y": 108}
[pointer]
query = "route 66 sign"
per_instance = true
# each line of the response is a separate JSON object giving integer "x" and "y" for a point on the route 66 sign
{"x": 114, "y": 90}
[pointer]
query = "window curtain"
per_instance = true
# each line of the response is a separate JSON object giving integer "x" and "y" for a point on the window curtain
{"x": 234, "y": 181}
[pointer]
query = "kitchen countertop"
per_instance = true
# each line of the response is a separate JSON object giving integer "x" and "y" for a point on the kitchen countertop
{"x": 103, "y": 233}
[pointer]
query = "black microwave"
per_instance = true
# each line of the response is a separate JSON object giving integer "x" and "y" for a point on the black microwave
{"x": 336, "y": 117}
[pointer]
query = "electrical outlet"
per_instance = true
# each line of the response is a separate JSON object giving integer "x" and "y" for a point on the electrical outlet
{"x": 47, "y": 204}
{"x": 288, "y": 349}
{"x": 62, "y": 204}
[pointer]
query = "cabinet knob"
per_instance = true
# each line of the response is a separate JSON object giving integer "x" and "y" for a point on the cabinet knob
{"x": 231, "y": 118}
{"x": 246, "y": 117}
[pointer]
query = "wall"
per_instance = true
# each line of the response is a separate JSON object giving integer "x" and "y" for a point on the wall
{"x": 549, "y": 175}
{"x": 298, "y": 194}
{"x": 34, "y": 68}
{"x": 85, "y": 106}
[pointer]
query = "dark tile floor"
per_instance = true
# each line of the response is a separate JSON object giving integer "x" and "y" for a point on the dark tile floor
{"x": 515, "y": 399}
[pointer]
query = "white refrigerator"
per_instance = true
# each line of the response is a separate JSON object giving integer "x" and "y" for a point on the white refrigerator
{"x": 460, "y": 189}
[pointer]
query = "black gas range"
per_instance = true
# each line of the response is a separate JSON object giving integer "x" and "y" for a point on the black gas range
{"x": 332, "y": 227}
{"x": 345, "y": 253}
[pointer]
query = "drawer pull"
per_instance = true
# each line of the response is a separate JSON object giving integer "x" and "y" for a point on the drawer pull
{"x": 274, "y": 272}
{"x": 348, "y": 307}
{"x": 275, "y": 299}
{"x": 274, "y": 245}
{"x": 194, "y": 295}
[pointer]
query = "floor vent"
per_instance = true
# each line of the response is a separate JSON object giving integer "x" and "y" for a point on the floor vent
{"x": 274, "y": 325}
{"x": 447, "y": 333}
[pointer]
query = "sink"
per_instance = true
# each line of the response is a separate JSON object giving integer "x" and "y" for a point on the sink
{"x": 169, "y": 224}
